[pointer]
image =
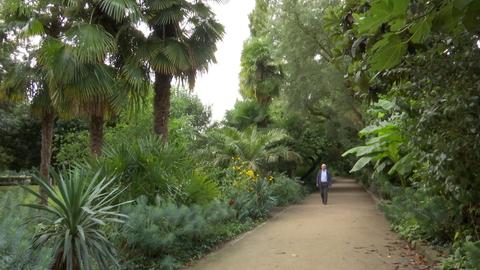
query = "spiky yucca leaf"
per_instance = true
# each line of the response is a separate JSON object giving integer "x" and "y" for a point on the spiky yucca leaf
{"x": 78, "y": 210}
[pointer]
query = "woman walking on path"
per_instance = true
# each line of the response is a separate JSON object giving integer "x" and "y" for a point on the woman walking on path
{"x": 324, "y": 181}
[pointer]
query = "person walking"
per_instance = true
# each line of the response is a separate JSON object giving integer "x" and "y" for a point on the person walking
{"x": 324, "y": 181}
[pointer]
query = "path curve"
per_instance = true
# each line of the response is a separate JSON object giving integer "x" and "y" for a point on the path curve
{"x": 348, "y": 233}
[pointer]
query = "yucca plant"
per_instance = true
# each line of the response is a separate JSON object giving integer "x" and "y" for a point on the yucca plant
{"x": 78, "y": 210}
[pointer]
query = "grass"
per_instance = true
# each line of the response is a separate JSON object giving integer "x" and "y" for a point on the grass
{"x": 17, "y": 189}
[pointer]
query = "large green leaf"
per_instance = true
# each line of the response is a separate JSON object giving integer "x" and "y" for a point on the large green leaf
{"x": 378, "y": 129}
{"x": 384, "y": 11}
{"x": 362, "y": 162}
{"x": 421, "y": 30}
{"x": 387, "y": 53}
{"x": 404, "y": 166}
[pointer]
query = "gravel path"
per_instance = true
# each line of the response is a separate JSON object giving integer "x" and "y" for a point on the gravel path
{"x": 348, "y": 233}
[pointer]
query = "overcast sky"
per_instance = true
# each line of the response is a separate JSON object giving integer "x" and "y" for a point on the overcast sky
{"x": 219, "y": 87}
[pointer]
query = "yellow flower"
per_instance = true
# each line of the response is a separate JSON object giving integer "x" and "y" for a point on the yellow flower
{"x": 250, "y": 173}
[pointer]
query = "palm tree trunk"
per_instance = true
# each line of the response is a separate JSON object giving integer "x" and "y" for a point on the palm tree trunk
{"x": 161, "y": 104}
{"x": 96, "y": 132}
{"x": 46, "y": 150}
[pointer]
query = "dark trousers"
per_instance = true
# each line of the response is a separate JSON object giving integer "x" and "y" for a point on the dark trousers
{"x": 324, "y": 192}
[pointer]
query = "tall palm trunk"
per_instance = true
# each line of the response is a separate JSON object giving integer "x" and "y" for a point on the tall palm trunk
{"x": 46, "y": 150}
{"x": 96, "y": 131}
{"x": 161, "y": 104}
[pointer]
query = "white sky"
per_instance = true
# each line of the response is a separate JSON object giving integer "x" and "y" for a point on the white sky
{"x": 220, "y": 86}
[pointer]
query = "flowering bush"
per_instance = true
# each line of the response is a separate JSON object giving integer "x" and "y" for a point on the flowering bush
{"x": 241, "y": 175}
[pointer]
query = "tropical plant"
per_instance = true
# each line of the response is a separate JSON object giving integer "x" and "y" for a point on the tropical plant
{"x": 166, "y": 235}
{"x": 259, "y": 149}
{"x": 246, "y": 113}
{"x": 75, "y": 219}
{"x": 260, "y": 77}
{"x": 384, "y": 144}
{"x": 68, "y": 57}
{"x": 255, "y": 202}
{"x": 182, "y": 43}
{"x": 286, "y": 191}
{"x": 150, "y": 168}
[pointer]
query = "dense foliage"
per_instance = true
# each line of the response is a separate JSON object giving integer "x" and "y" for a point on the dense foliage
{"x": 387, "y": 89}
{"x": 419, "y": 58}
{"x": 74, "y": 221}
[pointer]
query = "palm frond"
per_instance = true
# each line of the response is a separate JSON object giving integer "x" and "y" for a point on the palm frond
{"x": 33, "y": 27}
{"x": 157, "y": 5}
{"x": 171, "y": 15}
{"x": 120, "y": 9}
{"x": 177, "y": 53}
{"x": 90, "y": 43}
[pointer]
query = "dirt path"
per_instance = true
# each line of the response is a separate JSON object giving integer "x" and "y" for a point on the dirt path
{"x": 348, "y": 233}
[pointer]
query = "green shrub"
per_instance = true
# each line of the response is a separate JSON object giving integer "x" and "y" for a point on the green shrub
{"x": 173, "y": 234}
{"x": 74, "y": 220}
{"x": 465, "y": 256}
{"x": 418, "y": 214}
{"x": 254, "y": 203}
{"x": 148, "y": 167}
{"x": 16, "y": 236}
{"x": 286, "y": 191}
{"x": 73, "y": 148}
{"x": 200, "y": 189}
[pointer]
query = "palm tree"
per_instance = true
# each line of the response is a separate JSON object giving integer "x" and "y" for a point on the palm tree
{"x": 77, "y": 58}
{"x": 260, "y": 77}
{"x": 82, "y": 84}
{"x": 65, "y": 73}
{"x": 78, "y": 210}
{"x": 125, "y": 62}
{"x": 182, "y": 43}
{"x": 21, "y": 83}
{"x": 257, "y": 148}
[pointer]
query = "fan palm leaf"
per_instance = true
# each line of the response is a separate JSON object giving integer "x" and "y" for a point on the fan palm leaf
{"x": 185, "y": 33}
{"x": 257, "y": 148}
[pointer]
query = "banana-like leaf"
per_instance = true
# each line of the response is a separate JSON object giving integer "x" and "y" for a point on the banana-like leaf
{"x": 362, "y": 162}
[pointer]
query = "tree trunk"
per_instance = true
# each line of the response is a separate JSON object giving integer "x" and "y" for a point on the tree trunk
{"x": 60, "y": 264}
{"x": 315, "y": 164}
{"x": 46, "y": 151}
{"x": 96, "y": 132}
{"x": 161, "y": 104}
